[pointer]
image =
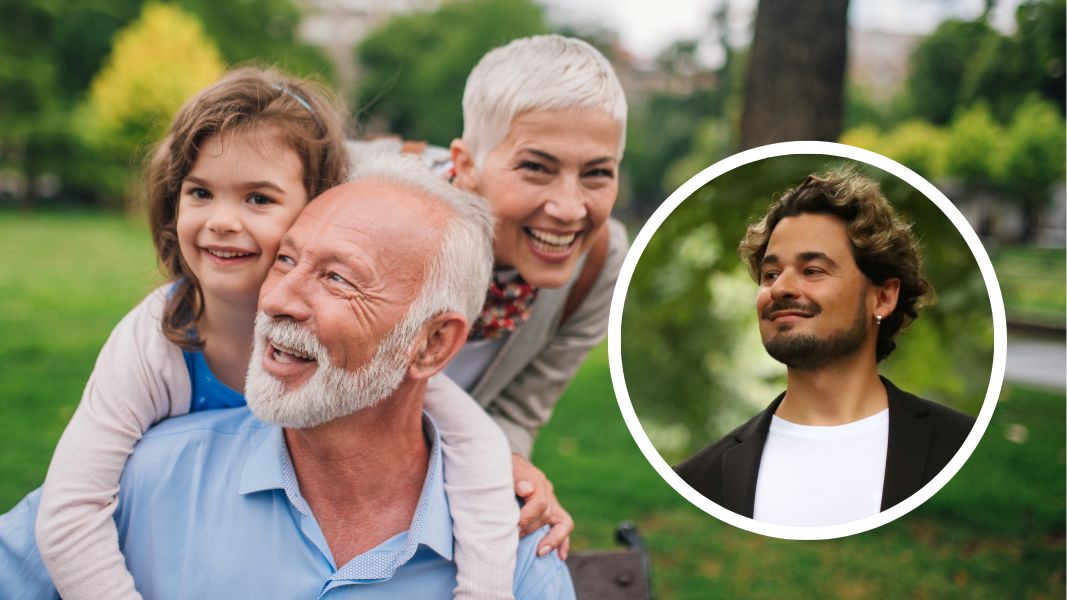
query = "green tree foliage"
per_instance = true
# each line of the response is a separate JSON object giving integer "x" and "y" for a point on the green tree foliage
{"x": 29, "y": 118}
{"x": 692, "y": 358}
{"x": 1005, "y": 71}
{"x": 158, "y": 62}
{"x": 82, "y": 36}
{"x": 52, "y": 50}
{"x": 1042, "y": 31}
{"x": 1034, "y": 155}
{"x": 709, "y": 141}
{"x": 414, "y": 68}
{"x": 1024, "y": 158}
{"x": 974, "y": 146}
{"x": 918, "y": 146}
{"x": 672, "y": 135}
{"x": 862, "y": 109}
{"x": 1020, "y": 162}
{"x": 965, "y": 62}
{"x": 915, "y": 144}
{"x": 1000, "y": 75}
{"x": 939, "y": 66}
{"x": 263, "y": 31}
{"x": 866, "y": 136}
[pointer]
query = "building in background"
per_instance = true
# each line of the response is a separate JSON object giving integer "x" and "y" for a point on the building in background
{"x": 338, "y": 26}
{"x": 879, "y": 61}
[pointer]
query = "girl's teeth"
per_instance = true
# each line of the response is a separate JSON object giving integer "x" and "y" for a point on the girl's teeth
{"x": 222, "y": 254}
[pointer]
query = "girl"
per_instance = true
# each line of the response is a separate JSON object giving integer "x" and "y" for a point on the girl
{"x": 241, "y": 160}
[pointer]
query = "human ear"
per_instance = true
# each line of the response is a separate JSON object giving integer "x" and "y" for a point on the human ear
{"x": 463, "y": 163}
{"x": 440, "y": 340}
{"x": 885, "y": 297}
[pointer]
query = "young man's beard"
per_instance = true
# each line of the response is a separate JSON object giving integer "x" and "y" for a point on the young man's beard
{"x": 807, "y": 352}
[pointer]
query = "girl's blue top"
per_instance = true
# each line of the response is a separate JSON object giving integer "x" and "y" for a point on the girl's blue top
{"x": 208, "y": 391}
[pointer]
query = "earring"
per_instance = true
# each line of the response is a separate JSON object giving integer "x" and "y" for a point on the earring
{"x": 877, "y": 319}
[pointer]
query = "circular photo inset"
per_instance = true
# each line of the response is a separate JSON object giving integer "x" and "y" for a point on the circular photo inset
{"x": 807, "y": 340}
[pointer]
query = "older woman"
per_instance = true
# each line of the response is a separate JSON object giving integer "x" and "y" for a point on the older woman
{"x": 544, "y": 122}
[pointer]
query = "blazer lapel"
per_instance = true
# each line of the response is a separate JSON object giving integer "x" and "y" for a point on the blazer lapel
{"x": 527, "y": 341}
{"x": 522, "y": 345}
{"x": 740, "y": 464}
{"x": 910, "y": 435}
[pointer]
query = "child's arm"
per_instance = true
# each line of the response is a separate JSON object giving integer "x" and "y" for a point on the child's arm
{"x": 479, "y": 486}
{"x": 525, "y": 404}
{"x": 139, "y": 379}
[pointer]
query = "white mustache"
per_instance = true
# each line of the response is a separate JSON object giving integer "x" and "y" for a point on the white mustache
{"x": 289, "y": 335}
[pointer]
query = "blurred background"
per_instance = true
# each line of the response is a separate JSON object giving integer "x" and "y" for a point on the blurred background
{"x": 968, "y": 93}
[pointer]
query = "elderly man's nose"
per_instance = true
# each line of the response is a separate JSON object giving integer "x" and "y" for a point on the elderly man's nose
{"x": 284, "y": 297}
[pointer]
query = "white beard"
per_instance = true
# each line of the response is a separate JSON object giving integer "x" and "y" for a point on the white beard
{"x": 332, "y": 392}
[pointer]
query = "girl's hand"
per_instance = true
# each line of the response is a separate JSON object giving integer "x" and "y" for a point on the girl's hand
{"x": 541, "y": 508}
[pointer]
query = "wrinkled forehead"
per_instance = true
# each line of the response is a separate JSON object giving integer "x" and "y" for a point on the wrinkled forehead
{"x": 381, "y": 221}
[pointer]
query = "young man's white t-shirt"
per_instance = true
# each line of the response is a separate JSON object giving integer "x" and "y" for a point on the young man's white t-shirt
{"x": 813, "y": 476}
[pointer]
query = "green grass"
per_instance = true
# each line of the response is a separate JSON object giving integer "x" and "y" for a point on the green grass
{"x": 65, "y": 281}
{"x": 1032, "y": 281}
{"x": 996, "y": 531}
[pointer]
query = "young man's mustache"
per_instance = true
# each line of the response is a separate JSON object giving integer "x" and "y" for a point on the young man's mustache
{"x": 811, "y": 309}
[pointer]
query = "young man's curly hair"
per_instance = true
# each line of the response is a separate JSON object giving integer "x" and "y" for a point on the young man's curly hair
{"x": 882, "y": 243}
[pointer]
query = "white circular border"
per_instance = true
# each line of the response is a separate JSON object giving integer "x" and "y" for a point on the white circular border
{"x": 996, "y": 304}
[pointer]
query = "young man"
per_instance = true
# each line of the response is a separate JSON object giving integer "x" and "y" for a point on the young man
{"x": 839, "y": 275}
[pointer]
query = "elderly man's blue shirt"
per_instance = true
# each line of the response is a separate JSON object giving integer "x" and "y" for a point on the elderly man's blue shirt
{"x": 209, "y": 507}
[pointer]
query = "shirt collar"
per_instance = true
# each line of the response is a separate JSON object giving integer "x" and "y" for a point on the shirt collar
{"x": 268, "y": 467}
{"x": 437, "y": 525}
{"x": 263, "y": 469}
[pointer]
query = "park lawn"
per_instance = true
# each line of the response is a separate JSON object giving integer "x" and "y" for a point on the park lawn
{"x": 997, "y": 530}
{"x": 1032, "y": 281}
{"x": 65, "y": 281}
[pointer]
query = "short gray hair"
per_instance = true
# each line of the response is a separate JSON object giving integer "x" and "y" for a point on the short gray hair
{"x": 458, "y": 274}
{"x": 544, "y": 72}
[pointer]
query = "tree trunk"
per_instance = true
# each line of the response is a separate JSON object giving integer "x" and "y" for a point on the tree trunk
{"x": 794, "y": 89}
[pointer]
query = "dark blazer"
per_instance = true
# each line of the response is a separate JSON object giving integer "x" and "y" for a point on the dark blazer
{"x": 923, "y": 437}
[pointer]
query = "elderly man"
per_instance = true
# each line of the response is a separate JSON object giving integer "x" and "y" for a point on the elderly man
{"x": 367, "y": 300}
{"x": 839, "y": 275}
